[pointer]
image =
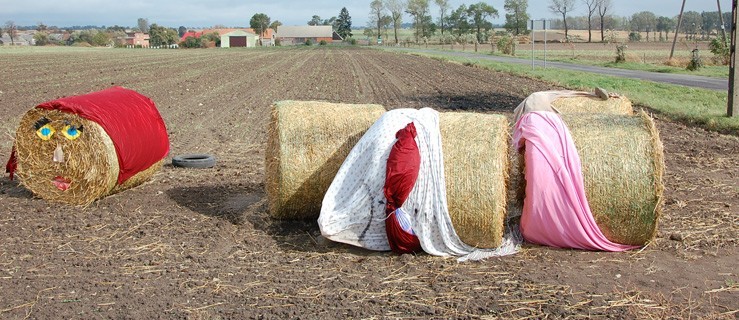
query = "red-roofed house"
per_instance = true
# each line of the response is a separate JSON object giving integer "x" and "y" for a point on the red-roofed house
{"x": 191, "y": 34}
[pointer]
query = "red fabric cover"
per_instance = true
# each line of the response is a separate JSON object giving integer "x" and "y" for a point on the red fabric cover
{"x": 130, "y": 119}
{"x": 12, "y": 164}
{"x": 403, "y": 165}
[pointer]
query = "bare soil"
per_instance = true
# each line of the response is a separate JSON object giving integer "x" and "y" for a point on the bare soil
{"x": 199, "y": 243}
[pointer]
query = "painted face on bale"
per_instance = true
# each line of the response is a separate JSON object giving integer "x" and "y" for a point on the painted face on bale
{"x": 64, "y": 157}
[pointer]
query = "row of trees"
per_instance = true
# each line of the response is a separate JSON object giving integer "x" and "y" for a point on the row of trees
{"x": 475, "y": 18}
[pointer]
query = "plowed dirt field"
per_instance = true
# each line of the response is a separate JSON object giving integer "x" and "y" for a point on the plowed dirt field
{"x": 200, "y": 243}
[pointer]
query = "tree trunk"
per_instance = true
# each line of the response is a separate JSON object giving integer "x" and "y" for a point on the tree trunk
{"x": 516, "y": 19}
{"x": 602, "y": 32}
{"x": 395, "y": 29}
{"x": 564, "y": 18}
{"x": 590, "y": 30}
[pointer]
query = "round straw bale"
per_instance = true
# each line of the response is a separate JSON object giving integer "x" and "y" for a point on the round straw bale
{"x": 307, "y": 143}
{"x": 89, "y": 167}
{"x": 623, "y": 164}
{"x": 476, "y": 164}
{"x": 614, "y": 105}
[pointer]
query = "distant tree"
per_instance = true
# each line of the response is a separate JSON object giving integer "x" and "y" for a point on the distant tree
{"x": 562, "y": 7}
{"x": 40, "y": 26}
{"x": 458, "y": 21}
{"x": 41, "y": 38}
{"x": 275, "y": 24}
{"x": 12, "y": 30}
{"x": 162, "y": 36}
{"x": 648, "y": 22}
{"x": 710, "y": 22}
{"x": 396, "y": 14}
{"x": 692, "y": 20}
{"x": 210, "y": 38}
{"x": 592, "y": 6}
{"x": 143, "y": 25}
{"x": 100, "y": 39}
{"x": 479, "y": 13}
{"x": 116, "y": 28}
{"x": 315, "y": 21}
{"x": 1, "y": 31}
{"x": 191, "y": 42}
{"x": 344, "y": 24}
{"x": 443, "y": 9}
{"x": 665, "y": 24}
{"x": 376, "y": 9}
{"x": 330, "y": 22}
{"x": 181, "y": 31}
{"x": 419, "y": 9}
{"x": 516, "y": 17}
{"x": 259, "y": 22}
{"x": 386, "y": 21}
{"x": 604, "y": 6}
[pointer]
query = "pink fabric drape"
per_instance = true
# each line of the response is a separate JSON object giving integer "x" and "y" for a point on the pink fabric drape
{"x": 556, "y": 211}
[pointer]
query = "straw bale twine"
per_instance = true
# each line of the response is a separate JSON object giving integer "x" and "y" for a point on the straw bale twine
{"x": 476, "y": 169}
{"x": 613, "y": 105}
{"x": 90, "y": 165}
{"x": 623, "y": 164}
{"x": 307, "y": 143}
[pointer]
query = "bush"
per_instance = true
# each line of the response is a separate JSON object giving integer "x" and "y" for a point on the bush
{"x": 323, "y": 42}
{"x": 507, "y": 45}
{"x": 277, "y": 42}
{"x": 634, "y": 37}
{"x": 308, "y": 42}
{"x": 695, "y": 61}
{"x": 191, "y": 42}
{"x": 353, "y": 41}
{"x": 41, "y": 38}
{"x": 621, "y": 53}
{"x": 721, "y": 50}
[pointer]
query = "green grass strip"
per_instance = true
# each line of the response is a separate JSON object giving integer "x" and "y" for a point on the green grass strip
{"x": 701, "y": 107}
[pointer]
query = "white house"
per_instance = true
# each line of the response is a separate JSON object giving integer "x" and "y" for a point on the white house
{"x": 238, "y": 38}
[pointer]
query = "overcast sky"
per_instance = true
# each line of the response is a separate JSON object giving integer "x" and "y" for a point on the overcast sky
{"x": 232, "y": 13}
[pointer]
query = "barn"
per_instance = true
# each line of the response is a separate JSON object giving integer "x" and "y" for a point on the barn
{"x": 238, "y": 38}
{"x": 292, "y": 35}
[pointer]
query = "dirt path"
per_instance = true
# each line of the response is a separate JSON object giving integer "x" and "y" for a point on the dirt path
{"x": 200, "y": 244}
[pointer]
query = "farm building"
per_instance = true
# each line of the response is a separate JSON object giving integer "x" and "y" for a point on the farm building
{"x": 238, "y": 38}
{"x": 293, "y": 35}
{"x": 137, "y": 39}
{"x": 267, "y": 37}
{"x": 22, "y": 39}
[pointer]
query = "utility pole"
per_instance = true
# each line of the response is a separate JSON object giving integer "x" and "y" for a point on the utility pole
{"x": 733, "y": 90}
{"x": 677, "y": 29}
{"x": 721, "y": 17}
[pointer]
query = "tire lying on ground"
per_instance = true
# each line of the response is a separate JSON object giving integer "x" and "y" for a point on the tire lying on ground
{"x": 308, "y": 142}
{"x": 82, "y": 148}
{"x": 198, "y": 161}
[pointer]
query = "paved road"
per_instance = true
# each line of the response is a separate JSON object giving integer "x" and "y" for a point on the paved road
{"x": 679, "y": 79}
